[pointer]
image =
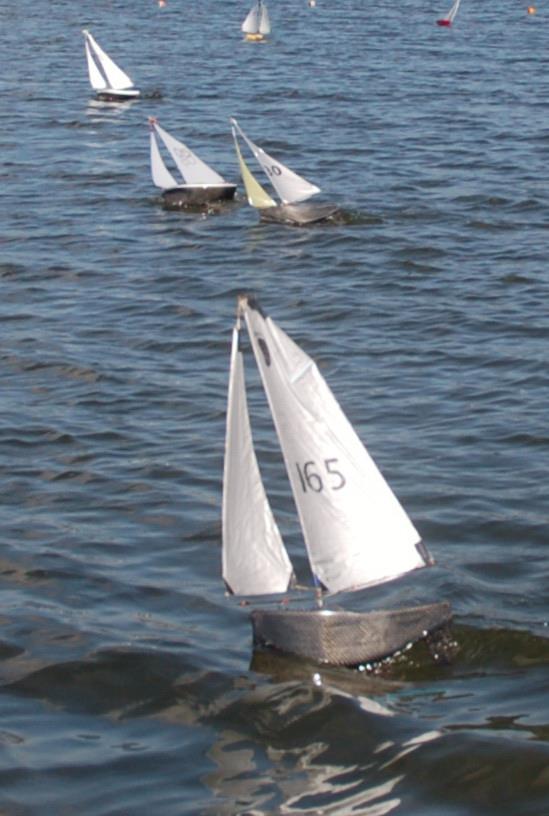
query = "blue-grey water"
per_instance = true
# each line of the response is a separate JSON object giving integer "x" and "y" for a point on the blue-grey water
{"x": 128, "y": 683}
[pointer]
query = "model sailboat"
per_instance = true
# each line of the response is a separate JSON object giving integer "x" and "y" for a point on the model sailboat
{"x": 109, "y": 81}
{"x": 257, "y": 25}
{"x": 355, "y": 531}
{"x": 448, "y": 19}
{"x": 200, "y": 184}
{"x": 292, "y": 189}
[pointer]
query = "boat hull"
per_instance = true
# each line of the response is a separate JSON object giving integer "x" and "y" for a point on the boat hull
{"x": 109, "y": 95}
{"x": 255, "y": 37}
{"x": 346, "y": 638}
{"x": 446, "y": 23}
{"x": 298, "y": 214}
{"x": 196, "y": 196}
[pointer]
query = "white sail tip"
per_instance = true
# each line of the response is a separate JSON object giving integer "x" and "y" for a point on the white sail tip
{"x": 247, "y": 301}
{"x": 241, "y": 303}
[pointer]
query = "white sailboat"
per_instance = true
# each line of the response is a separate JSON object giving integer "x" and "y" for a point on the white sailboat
{"x": 355, "y": 531}
{"x": 448, "y": 19}
{"x": 200, "y": 184}
{"x": 108, "y": 80}
{"x": 293, "y": 190}
{"x": 257, "y": 25}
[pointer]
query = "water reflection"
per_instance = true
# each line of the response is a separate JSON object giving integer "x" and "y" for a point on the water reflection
{"x": 95, "y": 106}
{"x": 282, "y": 668}
{"x": 294, "y": 737}
{"x": 287, "y": 756}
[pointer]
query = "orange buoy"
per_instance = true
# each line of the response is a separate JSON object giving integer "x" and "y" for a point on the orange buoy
{"x": 531, "y": 9}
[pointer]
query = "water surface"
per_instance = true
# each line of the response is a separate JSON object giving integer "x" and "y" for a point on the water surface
{"x": 128, "y": 679}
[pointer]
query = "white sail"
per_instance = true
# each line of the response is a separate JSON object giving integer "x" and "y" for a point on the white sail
{"x": 449, "y": 18}
{"x": 355, "y": 530}
{"x": 192, "y": 169}
{"x": 290, "y": 187}
{"x": 113, "y": 76}
{"x": 255, "y": 561}
{"x": 161, "y": 176}
{"x": 97, "y": 80}
{"x": 453, "y": 11}
{"x": 251, "y": 23}
{"x": 264, "y": 21}
{"x": 257, "y": 20}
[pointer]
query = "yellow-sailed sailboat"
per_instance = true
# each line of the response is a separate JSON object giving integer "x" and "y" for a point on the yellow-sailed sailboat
{"x": 293, "y": 190}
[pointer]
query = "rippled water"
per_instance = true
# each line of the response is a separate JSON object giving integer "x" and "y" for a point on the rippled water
{"x": 128, "y": 680}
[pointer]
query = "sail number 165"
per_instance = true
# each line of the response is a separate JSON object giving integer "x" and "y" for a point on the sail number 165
{"x": 317, "y": 478}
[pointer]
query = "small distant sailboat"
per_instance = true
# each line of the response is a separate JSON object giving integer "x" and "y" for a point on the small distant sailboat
{"x": 109, "y": 81}
{"x": 448, "y": 19}
{"x": 292, "y": 189}
{"x": 257, "y": 25}
{"x": 200, "y": 184}
{"x": 356, "y": 532}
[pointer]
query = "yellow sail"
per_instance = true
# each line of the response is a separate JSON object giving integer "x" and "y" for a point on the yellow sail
{"x": 257, "y": 196}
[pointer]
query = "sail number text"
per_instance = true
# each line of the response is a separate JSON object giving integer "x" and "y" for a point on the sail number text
{"x": 317, "y": 478}
{"x": 272, "y": 169}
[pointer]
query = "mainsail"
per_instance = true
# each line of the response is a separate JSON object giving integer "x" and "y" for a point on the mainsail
{"x": 103, "y": 72}
{"x": 355, "y": 530}
{"x": 193, "y": 170}
{"x": 255, "y": 561}
{"x": 257, "y": 20}
{"x": 290, "y": 187}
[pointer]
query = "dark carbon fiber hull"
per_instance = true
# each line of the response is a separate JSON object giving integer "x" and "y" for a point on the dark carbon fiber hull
{"x": 346, "y": 638}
